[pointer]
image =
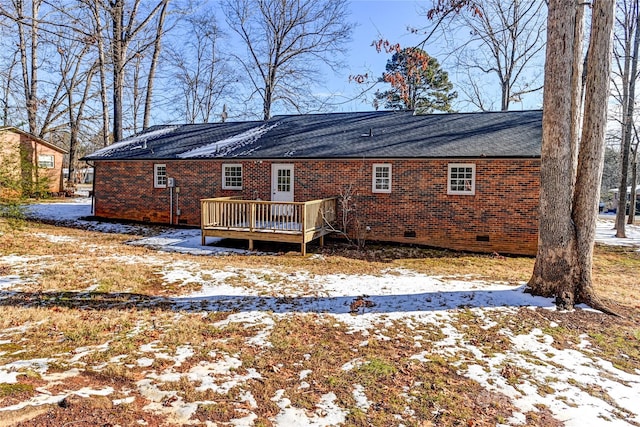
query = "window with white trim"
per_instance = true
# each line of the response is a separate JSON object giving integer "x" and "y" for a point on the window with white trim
{"x": 381, "y": 179}
{"x": 232, "y": 176}
{"x": 46, "y": 161}
{"x": 160, "y": 176}
{"x": 461, "y": 178}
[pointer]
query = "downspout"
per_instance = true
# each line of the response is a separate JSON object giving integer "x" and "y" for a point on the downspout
{"x": 93, "y": 189}
{"x": 178, "y": 205}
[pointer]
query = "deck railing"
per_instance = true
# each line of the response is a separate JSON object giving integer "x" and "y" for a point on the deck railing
{"x": 232, "y": 216}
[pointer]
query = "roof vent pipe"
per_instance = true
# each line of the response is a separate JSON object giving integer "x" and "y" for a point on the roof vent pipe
{"x": 367, "y": 135}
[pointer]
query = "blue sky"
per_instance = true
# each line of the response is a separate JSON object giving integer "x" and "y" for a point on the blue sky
{"x": 375, "y": 19}
{"x": 390, "y": 20}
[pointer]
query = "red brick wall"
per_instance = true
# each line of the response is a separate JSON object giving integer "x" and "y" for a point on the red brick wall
{"x": 502, "y": 211}
{"x": 14, "y": 144}
{"x": 53, "y": 175}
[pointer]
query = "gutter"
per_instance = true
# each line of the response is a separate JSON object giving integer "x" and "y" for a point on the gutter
{"x": 93, "y": 188}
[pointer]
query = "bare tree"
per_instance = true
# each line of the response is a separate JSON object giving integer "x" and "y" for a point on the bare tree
{"x": 101, "y": 44}
{"x": 135, "y": 87}
{"x": 200, "y": 71}
{"x": 569, "y": 182}
{"x": 157, "y": 43}
{"x": 127, "y": 22}
{"x": 34, "y": 29}
{"x": 633, "y": 196}
{"x": 7, "y": 80}
{"x": 611, "y": 171}
{"x": 285, "y": 42}
{"x": 506, "y": 41}
{"x": 76, "y": 73}
{"x": 113, "y": 34}
{"x": 26, "y": 19}
{"x": 626, "y": 51}
{"x": 28, "y": 36}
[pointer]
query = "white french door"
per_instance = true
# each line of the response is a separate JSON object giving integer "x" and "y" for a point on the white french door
{"x": 281, "y": 182}
{"x": 281, "y": 189}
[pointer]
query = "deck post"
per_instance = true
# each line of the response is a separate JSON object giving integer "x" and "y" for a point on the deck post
{"x": 250, "y": 244}
{"x": 322, "y": 241}
{"x": 303, "y": 228}
{"x": 204, "y": 209}
{"x": 252, "y": 217}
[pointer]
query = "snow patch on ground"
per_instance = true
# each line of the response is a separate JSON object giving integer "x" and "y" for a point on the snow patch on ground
{"x": 258, "y": 298}
{"x": 327, "y": 412}
{"x": 606, "y": 233}
{"x": 71, "y": 211}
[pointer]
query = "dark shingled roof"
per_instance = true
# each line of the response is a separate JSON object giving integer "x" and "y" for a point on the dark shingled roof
{"x": 380, "y": 134}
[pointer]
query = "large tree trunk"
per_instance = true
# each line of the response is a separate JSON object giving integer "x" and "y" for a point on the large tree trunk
{"x": 6, "y": 94}
{"x": 29, "y": 60}
{"x": 577, "y": 85}
{"x": 102, "y": 69}
{"x": 506, "y": 95}
{"x": 591, "y": 156}
{"x": 634, "y": 185}
{"x": 73, "y": 144}
{"x": 555, "y": 269}
{"x": 135, "y": 91}
{"x": 75, "y": 121}
{"x": 118, "y": 58}
{"x": 267, "y": 100}
{"x": 568, "y": 218}
{"x": 157, "y": 44}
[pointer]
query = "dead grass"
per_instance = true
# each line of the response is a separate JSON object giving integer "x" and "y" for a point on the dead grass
{"x": 11, "y": 390}
{"x": 614, "y": 268}
{"x": 397, "y": 387}
{"x": 615, "y": 273}
{"x": 104, "y": 332}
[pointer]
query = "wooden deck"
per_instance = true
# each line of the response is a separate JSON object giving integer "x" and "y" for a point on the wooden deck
{"x": 289, "y": 222}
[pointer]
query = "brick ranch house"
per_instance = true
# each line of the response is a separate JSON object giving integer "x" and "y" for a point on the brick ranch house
{"x": 30, "y": 161}
{"x": 464, "y": 181}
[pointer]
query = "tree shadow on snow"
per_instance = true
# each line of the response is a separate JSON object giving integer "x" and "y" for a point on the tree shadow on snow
{"x": 356, "y": 304}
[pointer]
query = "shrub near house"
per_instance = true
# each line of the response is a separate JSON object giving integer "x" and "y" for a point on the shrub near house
{"x": 461, "y": 181}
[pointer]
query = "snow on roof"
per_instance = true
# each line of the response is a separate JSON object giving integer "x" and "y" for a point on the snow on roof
{"x": 396, "y": 134}
{"x": 225, "y": 146}
{"x": 133, "y": 143}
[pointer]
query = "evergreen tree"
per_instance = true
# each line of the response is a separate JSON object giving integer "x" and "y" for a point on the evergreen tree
{"x": 417, "y": 83}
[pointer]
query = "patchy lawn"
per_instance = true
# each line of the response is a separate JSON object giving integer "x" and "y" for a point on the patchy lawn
{"x": 96, "y": 330}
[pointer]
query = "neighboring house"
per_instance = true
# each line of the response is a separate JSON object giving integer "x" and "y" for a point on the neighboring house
{"x": 613, "y": 204}
{"x": 84, "y": 175}
{"x": 31, "y": 161}
{"x": 467, "y": 181}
